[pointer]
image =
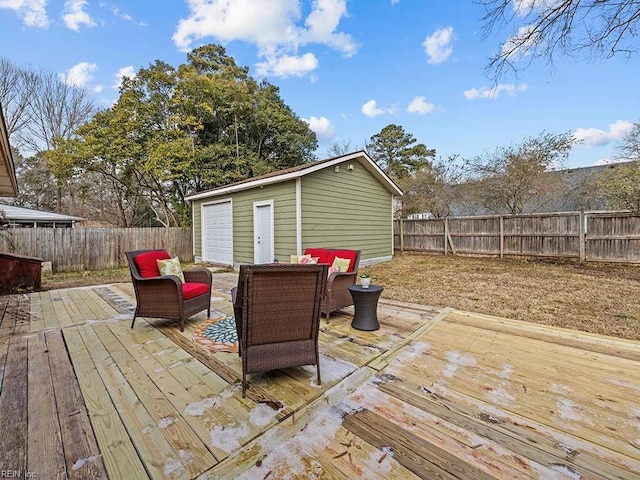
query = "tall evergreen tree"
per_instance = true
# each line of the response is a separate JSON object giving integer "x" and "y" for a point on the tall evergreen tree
{"x": 397, "y": 152}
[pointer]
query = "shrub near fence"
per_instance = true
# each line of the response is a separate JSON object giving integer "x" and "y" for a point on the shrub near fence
{"x": 76, "y": 249}
{"x": 604, "y": 236}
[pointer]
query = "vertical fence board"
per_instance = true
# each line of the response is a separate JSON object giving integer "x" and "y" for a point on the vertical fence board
{"x": 76, "y": 249}
{"x": 614, "y": 238}
{"x": 591, "y": 236}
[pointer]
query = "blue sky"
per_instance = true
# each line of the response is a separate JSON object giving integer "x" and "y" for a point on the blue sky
{"x": 347, "y": 67}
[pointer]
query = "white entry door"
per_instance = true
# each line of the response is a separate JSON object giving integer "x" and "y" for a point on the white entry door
{"x": 217, "y": 233}
{"x": 263, "y": 232}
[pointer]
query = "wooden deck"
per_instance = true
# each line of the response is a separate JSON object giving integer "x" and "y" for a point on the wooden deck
{"x": 432, "y": 394}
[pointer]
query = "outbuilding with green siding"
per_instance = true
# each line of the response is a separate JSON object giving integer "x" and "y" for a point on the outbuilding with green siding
{"x": 341, "y": 202}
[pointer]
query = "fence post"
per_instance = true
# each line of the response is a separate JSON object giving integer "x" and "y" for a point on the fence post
{"x": 401, "y": 234}
{"x": 501, "y": 236}
{"x": 583, "y": 235}
{"x": 446, "y": 235}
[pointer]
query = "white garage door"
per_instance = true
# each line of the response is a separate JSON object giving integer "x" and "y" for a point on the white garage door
{"x": 217, "y": 233}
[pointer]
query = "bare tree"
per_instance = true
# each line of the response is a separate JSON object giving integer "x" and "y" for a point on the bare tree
{"x": 619, "y": 185}
{"x": 514, "y": 179}
{"x": 57, "y": 109}
{"x": 433, "y": 189}
{"x": 629, "y": 148}
{"x": 17, "y": 85}
{"x": 541, "y": 29}
{"x": 338, "y": 149}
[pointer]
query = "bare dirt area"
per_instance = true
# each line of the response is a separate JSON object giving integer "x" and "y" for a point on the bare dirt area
{"x": 592, "y": 297}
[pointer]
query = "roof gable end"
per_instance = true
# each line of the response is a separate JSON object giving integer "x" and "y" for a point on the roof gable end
{"x": 296, "y": 172}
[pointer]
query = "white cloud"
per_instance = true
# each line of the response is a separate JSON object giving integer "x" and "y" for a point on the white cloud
{"x": 125, "y": 16}
{"x": 610, "y": 161}
{"x": 437, "y": 46}
{"x": 595, "y": 137}
{"x": 522, "y": 8}
{"x": 97, "y": 89}
{"x": 32, "y": 12}
{"x": 485, "y": 92}
{"x": 79, "y": 75}
{"x": 371, "y": 110}
{"x": 321, "y": 126}
{"x": 395, "y": 2}
{"x": 276, "y": 28}
{"x": 288, "y": 65}
{"x": 420, "y": 106}
{"x": 322, "y": 23}
{"x": 123, "y": 72}
{"x": 519, "y": 45}
{"x": 75, "y": 16}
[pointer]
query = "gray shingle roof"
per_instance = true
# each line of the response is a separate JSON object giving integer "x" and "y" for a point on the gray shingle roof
{"x": 21, "y": 214}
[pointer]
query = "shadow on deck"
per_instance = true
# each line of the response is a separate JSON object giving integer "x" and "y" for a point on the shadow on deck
{"x": 432, "y": 394}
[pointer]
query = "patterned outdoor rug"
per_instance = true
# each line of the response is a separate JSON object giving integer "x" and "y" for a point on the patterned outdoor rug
{"x": 218, "y": 334}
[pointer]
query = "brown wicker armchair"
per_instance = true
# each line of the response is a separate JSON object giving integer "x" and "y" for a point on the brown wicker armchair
{"x": 166, "y": 296}
{"x": 277, "y": 310}
{"x": 337, "y": 295}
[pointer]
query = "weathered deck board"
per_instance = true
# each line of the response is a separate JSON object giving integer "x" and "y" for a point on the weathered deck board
{"x": 434, "y": 393}
{"x": 44, "y": 448}
{"x": 4, "y": 347}
{"x": 82, "y": 456}
{"x": 9, "y": 309}
{"x": 15, "y": 315}
{"x": 425, "y": 459}
{"x": 13, "y": 407}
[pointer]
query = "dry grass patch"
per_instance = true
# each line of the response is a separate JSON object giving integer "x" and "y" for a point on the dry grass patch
{"x": 597, "y": 298}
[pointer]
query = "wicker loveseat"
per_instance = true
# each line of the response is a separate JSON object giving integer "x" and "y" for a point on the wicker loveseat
{"x": 337, "y": 295}
{"x": 166, "y": 296}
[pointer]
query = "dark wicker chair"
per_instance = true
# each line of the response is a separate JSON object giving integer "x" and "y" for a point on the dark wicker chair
{"x": 164, "y": 296}
{"x": 337, "y": 295}
{"x": 277, "y": 308}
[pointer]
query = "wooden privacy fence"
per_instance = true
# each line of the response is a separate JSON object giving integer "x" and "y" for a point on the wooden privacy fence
{"x": 587, "y": 236}
{"x": 70, "y": 249}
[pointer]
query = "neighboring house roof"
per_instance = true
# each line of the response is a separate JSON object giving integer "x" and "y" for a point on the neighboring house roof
{"x": 300, "y": 171}
{"x": 28, "y": 215}
{"x": 8, "y": 183}
{"x": 577, "y": 193}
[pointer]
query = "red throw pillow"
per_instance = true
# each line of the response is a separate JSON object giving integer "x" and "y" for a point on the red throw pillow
{"x": 322, "y": 254}
{"x": 193, "y": 289}
{"x": 350, "y": 254}
{"x": 147, "y": 265}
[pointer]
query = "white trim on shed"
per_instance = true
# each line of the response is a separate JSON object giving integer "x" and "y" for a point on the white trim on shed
{"x": 301, "y": 171}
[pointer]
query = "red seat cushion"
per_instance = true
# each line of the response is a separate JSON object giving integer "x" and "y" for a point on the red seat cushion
{"x": 350, "y": 254}
{"x": 193, "y": 289}
{"x": 147, "y": 265}
{"x": 322, "y": 254}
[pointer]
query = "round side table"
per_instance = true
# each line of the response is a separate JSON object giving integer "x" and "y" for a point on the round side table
{"x": 365, "y": 305}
